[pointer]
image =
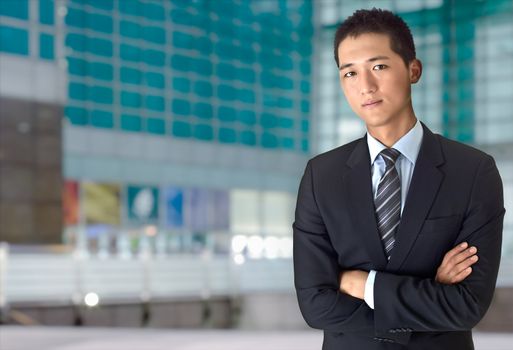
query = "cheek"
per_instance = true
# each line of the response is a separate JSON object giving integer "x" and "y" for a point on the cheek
{"x": 400, "y": 87}
{"x": 350, "y": 93}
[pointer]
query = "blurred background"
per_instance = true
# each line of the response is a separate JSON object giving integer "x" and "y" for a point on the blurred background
{"x": 151, "y": 150}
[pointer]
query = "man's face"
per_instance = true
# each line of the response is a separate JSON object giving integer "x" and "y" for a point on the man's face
{"x": 375, "y": 80}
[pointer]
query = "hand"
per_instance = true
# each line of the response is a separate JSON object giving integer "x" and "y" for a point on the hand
{"x": 352, "y": 282}
{"x": 456, "y": 264}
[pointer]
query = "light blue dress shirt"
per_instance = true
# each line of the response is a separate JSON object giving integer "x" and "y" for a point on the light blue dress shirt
{"x": 409, "y": 146}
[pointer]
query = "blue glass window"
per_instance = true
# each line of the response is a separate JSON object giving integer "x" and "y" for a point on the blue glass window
{"x": 269, "y": 140}
{"x": 304, "y": 145}
{"x": 102, "y": 119}
{"x": 153, "y": 11}
{"x": 287, "y": 142}
{"x": 225, "y": 71}
{"x": 183, "y": 40}
{"x": 286, "y": 123}
{"x": 203, "y": 67}
{"x": 130, "y": 75}
{"x": 46, "y": 11}
{"x": 154, "y": 57}
{"x": 203, "y": 88}
{"x": 268, "y": 120}
{"x": 304, "y": 67}
{"x": 304, "y": 125}
{"x": 131, "y": 122}
{"x": 247, "y": 117}
{"x": 77, "y": 91}
{"x": 77, "y": 66}
{"x": 130, "y": 99}
{"x": 226, "y": 92}
{"x": 182, "y": 84}
{"x": 203, "y": 132}
{"x": 155, "y": 103}
{"x": 181, "y": 107}
{"x": 77, "y": 42}
{"x": 46, "y": 46}
{"x": 305, "y": 106}
{"x": 99, "y": 23}
{"x": 285, "y": 102}
{"x": 227, "y": 114}
{"x": 107, "y": 5}
{"x": 76, "y": 115}
{"x": 156, "y": 126}
{"x": 305, "y": 87}
{"x": 93, "y": 21}
{"x": 100, "y": 47}
{"x": 246, "y": 95}
{"x": 101, "y": 94}
{"x": 155, "y": 80}
{"x": 130, "y": 53}
{"x": 17, "y": 9}
{"x": 154, "y": 34}
{"x": 227, "y": 135}
{"x": 248, "y": 137}
{"x": 101, "y": 71}
{"x": 76, "y": 18}
{"x": 180, "y": 62}
{"x": 246, "y": 75}
{"x": 203, "y": 110}
{"x": 14, "y": 40}
{"x": 181, "y": 129}
{"x": 131, "y": 7}
{"x": 129, "y": 29}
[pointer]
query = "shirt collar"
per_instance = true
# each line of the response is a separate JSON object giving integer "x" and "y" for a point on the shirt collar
{"x": 408, "y": 145}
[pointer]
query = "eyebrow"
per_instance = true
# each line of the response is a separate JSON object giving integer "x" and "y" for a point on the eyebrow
{"x": 372, "y": 59}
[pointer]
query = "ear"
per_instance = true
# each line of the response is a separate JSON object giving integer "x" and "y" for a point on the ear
{"x": 415, "y": 68}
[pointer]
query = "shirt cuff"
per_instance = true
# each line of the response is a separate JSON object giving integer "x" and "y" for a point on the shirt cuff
{"x": 368, "y": 294}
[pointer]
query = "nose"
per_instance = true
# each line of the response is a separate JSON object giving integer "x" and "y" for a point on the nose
{"x": 367, "y": 83}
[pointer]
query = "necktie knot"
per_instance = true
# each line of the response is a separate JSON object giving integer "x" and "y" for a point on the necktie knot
{"x": 390, "y": 156}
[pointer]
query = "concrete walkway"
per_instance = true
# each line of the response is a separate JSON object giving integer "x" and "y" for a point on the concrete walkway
{"x": 73, "y": 338}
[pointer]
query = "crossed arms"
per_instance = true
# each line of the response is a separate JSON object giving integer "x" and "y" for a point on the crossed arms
{"x": 455, "y": 267}
{"x": 456, "y": 299}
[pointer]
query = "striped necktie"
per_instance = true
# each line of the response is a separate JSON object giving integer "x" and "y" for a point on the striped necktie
{"x": 388, "y": 200}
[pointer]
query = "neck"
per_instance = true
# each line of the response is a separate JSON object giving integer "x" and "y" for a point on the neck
{"x": 388, "y": 135}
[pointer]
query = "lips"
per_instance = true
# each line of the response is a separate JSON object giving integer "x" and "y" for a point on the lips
{"x": 371, "y": 103}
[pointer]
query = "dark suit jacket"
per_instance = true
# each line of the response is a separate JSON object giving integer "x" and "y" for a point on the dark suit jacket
{"x": 455, "y": 195}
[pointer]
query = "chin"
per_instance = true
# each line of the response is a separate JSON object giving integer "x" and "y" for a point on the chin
{"x": 376, "y": 121}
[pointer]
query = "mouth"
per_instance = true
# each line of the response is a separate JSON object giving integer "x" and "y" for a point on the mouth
{"x": 370, "y": 104}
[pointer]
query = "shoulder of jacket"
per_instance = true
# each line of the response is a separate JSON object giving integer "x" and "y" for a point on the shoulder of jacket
{"x": 452, "y": 148}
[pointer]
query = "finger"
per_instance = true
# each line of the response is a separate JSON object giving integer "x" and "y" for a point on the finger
{"x": 462, "y": 275}
{"x": 459, "y": 248}
{"x": 459, "y": 269}
{"x": 466, "y": 263}
{"x": 447, "y": 273}
{"x": 458, "y": 258}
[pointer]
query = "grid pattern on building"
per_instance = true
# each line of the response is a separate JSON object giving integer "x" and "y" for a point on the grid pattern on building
{"x": 212, "y": 71}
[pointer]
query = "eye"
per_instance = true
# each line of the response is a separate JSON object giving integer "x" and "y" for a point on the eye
{"x": 349, "y": 74}
{"x": 379, "y": 67}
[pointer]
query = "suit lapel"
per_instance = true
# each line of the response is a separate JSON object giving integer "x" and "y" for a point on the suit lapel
{"x": 424, "y": 185}
{"x": 357, "y": 187}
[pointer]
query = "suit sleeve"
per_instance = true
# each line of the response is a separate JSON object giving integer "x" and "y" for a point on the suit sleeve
{"x": 316, "y": 271}
{"x": 420, "y": 304}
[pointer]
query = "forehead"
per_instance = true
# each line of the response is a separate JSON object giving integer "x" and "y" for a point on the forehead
{"x": 364, "y": 46}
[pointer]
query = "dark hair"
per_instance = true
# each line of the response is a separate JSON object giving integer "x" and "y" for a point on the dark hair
{"x": 381, "y": 22}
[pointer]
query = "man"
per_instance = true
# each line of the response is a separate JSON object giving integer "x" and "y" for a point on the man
{"x": 389, "y": 227}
